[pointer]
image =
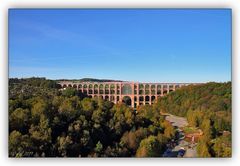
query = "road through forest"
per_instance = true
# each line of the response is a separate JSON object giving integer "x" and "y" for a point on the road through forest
{"x": 175, "y": 149}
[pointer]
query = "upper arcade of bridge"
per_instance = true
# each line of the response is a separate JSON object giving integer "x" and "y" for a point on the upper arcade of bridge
{"x": 139, "y": 93}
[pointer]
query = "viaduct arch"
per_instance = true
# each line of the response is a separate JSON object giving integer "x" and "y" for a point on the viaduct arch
{"x": 139, "y": 93}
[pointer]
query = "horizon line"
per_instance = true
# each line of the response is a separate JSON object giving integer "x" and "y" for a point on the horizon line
{"x": 115, "y": 80}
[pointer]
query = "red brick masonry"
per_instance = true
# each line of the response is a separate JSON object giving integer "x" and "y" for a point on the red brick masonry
{"x": 139, "y": 93}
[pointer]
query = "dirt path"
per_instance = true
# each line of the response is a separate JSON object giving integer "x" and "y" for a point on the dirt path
{"x": 177, "y": 146}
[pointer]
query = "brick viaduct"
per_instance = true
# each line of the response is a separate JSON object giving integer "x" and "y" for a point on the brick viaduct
{"x": 137, "y": 93}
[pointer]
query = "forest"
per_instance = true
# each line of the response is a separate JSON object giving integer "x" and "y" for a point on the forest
{"x": 45, "y": 121}
{"x": 208, "y": 107}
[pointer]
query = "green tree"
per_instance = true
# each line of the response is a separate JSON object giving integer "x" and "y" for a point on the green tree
{"x": 19, "y": 120}
{"x": 149, "y": 147}
{"x": 19, "y": 145}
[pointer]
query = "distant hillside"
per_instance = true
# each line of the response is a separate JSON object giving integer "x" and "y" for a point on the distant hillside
{"x": 212, "y": 96}
{"x": 17, "y": 80}
{"x": 90, "y": 80}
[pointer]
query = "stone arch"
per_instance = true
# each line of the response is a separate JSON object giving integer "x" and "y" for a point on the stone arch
{"x": 153, "y": 89}
{"x": 159, "y": 89}
{"x": 118, "y": 98}
{"x": 141, "y": 98}
{"x": 101, "y": 86}
{"x": 75, "y": 86}
{"x": 153, "y": 98}
{"x": 69, "y": 85}
{"x": 112, "y": 89}
{"x": 64, "y": 86}
{"x": 85, "y": 86}
{"x": 112, "y": 98}
{"x": 95, "y": 89}
{"x": 101, "y": 89}
{"x": 165, "y": 89}
{"x": 90, "y": 86}
{"x": 112, "y": 86}
{"x": 107, "y": 97}
{"x": 80, "y": 86}
{"x": 127, "y": 100}
{"x": 141, "y": 89}
{"x": 147, "y": 86}
{"x": 141, "y": 86}
{"x": 135, "y": 98}
{"x": 106, "y": 86}
{"x": 147, "y": 89}
{"x": 126, "y": 89}
{"x": 90, "y": 91}
{"x": 153, "y": 86}
{"x": 147, "y": 98}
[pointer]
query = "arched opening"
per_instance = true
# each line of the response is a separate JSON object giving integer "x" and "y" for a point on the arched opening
{"x": 152, "y": 98}
{"x": 90, "y": 91}
{"x": 159, "y": 89}
{"x": 90, "y": 86}
{"x": 106, "y": 86}
{"x": 147, "y": 98}
{"x": 112, "y": 89}
{"x": 141, "y": 98}
{"x": 147, "y": 86}
{"x": 127, "y": 100}
{"x": 126, "y": 89}
{"x": 106, "y": 89}
{"x": 135, "y": 98}
{"x": 69, "y": 85}
{"x": 101, "y": 88}
{"x": 95, "y": 89}
{"x": 165, "y": 92}
{"x": 112, "y": 98}
{"x": 75, "y": 86}
{"x": 64, "y": 86}
{"x": 146, "y": 92}
{"x": 177, "y": 86}
{"x": 152, "y": 86}
{"x": 141, "y": 86}
{"x": 118, "y": 89}
{"x": 107, "y": 97}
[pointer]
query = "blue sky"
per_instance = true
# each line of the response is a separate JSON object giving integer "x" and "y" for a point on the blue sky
{"x": 134, "y": 45}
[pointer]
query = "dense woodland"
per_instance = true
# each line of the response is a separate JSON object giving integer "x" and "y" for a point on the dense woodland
{"x": 208, "y": 107}
{"x": 47, "y": 122}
